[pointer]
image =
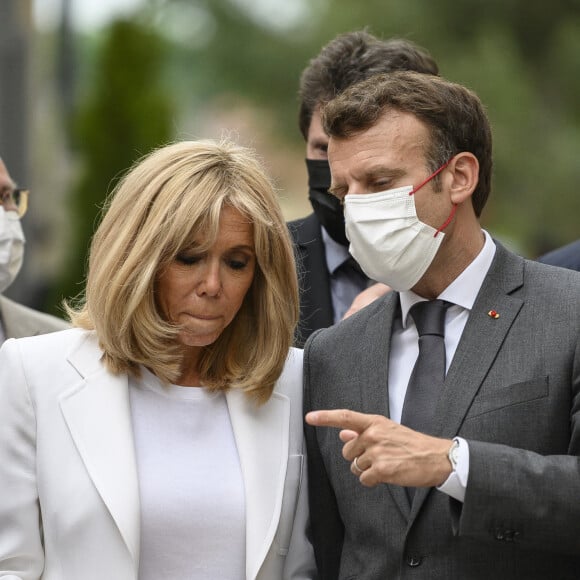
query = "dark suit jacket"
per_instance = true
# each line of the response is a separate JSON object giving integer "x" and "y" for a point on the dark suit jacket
{"x": 316, "y": 309}
{"x": 566, "y": 256}
{"x": 512, "y": 391}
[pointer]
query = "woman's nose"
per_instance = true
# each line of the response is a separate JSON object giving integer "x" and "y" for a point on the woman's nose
{"x": 211, "y": 283}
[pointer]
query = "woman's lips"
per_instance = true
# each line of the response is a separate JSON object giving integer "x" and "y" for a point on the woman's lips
{"x": 204, "y": 316}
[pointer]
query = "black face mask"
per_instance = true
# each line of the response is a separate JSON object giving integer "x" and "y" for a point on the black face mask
{"x": 327, "y": 208}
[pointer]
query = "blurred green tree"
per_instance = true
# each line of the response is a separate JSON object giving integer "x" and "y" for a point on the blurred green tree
{"x": 126, "y": 114}
{"x": 521, "y": 58}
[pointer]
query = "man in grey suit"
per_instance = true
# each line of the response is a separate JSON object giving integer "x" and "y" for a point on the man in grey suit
{"x": 331, "y": 285}
{"x": 486, "y": 482}
{"x": 16, "y": 320}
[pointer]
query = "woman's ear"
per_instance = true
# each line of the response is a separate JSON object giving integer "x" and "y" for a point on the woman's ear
{"x": 464, "y": 171}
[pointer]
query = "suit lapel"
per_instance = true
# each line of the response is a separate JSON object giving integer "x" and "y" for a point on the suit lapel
{"x": 98, "y": 415}
{"x": 481, "y": 340}
{"x": 262, "y": 439}
{"x": 375, "y": 353}
{"x": 480, "y": 343}
{"x": 374, "y": 385}
{"x": 315, "y": 300}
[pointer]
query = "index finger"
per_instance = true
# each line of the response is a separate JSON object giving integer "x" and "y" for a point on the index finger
{"x": 341, "y": 418}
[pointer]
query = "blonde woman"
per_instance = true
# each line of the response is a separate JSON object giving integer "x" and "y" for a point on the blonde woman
{"x": 162, "y": 437}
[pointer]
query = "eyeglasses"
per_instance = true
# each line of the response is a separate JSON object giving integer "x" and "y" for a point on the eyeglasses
{"x": 15, "y": 199}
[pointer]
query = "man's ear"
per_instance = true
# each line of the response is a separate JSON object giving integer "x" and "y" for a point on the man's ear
{"x": 464, "y": 171}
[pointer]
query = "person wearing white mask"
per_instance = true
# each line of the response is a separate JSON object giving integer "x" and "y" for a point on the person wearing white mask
{"x": 16, "y": 320}
{"x": 332, "y": 286}
{"x": 457, "y": 395}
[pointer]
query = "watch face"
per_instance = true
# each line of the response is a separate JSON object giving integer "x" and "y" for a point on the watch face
{"x": 454, "y": 454}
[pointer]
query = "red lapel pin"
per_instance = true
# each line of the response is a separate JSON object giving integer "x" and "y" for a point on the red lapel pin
{"x": 493, "y": 314}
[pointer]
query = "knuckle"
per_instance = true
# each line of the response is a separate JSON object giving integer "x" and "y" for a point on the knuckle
{"x": 346, "y": 415}
{"x": 373, "y": 432}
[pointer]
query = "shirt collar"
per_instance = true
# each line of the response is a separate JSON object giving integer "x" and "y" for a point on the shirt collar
{"x": 336, "y": 254}
{"x": 464, "y": 289}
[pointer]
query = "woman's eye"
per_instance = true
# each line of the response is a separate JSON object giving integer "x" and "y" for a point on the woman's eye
{"x": 188, "y": 259}
{"x": 237, "y": 264}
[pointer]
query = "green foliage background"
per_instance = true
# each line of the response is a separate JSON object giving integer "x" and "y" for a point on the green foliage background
{"x": 124, "y": 115}
{"x": 521, "y": 56}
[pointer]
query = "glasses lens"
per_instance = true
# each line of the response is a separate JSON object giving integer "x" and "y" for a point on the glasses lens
{"x": 15, "y": 200}
{"x": 20, "y": 197}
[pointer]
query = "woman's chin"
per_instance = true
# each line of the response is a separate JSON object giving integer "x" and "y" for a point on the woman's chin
{"x": 198, "y": 339}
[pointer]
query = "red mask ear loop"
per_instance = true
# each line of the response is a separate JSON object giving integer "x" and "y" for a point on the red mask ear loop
{"x": 416, "y": 189}
{"x": 453, "y": 209}
{"x": 447, "y": 221}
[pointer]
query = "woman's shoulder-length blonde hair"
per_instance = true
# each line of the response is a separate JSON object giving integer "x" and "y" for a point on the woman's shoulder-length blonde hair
{"x": 170, "y": 198}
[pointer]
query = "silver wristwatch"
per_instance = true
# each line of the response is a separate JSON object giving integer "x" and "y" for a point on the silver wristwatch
{"x": 453, "y": 454}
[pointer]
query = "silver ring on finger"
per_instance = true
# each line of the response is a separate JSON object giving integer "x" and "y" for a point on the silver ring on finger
{"x": 356, "y": 466}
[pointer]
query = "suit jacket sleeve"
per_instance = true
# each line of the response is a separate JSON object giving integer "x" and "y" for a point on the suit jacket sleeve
{"x": 522, "y": 497}
{"x": 21, "y": 552}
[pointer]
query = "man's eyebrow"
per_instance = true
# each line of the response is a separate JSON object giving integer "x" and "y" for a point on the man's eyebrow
{"x": 369, "y": 175}
{"x": 379, "y": 171}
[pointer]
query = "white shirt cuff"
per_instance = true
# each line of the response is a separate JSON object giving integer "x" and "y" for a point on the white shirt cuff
{"x": 456, "y": 484}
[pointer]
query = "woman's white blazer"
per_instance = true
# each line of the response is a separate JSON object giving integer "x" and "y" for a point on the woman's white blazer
{"x": 69, "y": 499}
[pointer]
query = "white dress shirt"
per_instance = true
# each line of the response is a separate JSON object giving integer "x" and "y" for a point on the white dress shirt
{"x": 462, "y": 293}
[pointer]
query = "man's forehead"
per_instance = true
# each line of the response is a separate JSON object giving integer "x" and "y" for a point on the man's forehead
{"x": 394, "y": 124}
{"x": 391, "y": 135}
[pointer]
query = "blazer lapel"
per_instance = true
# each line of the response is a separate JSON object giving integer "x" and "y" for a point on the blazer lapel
{"x": 98, "y": 415}
{"x": 262, "y": 439}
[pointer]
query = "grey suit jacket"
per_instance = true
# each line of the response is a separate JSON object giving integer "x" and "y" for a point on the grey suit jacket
{"x": 512, "y": 390}
{"x": 19, "y": 320}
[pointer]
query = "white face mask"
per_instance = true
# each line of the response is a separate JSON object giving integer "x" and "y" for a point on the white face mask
{"x": 11, "y": 247}
{"x": 387, "y": 238}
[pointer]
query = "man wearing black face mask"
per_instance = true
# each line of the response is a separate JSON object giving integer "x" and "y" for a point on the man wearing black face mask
{"x": 332, "y": 285}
